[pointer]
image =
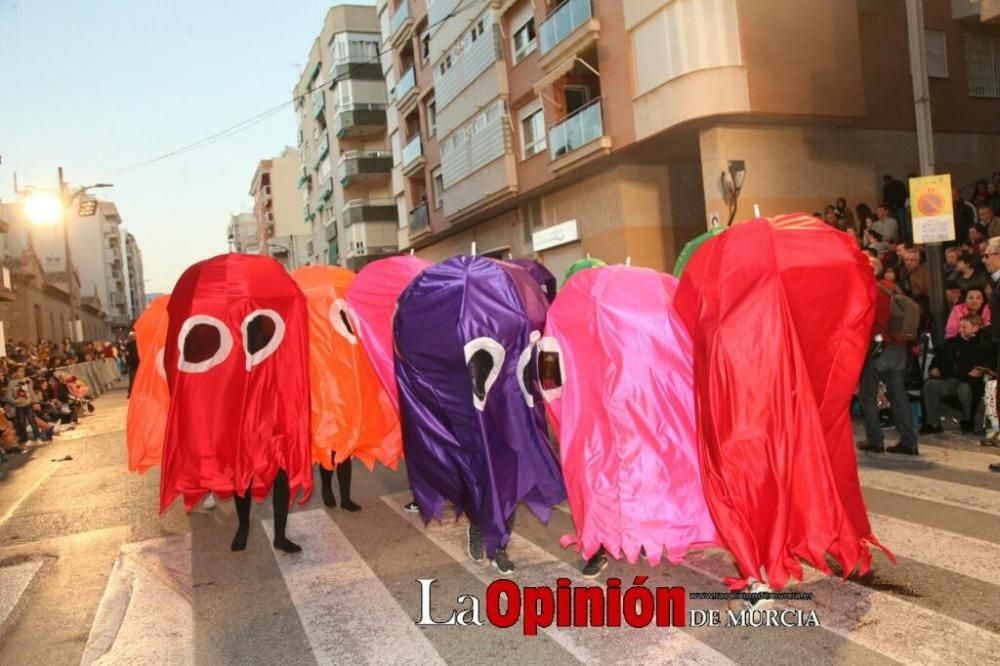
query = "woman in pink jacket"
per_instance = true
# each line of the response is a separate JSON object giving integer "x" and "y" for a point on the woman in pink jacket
{"x": 973, "y": 303}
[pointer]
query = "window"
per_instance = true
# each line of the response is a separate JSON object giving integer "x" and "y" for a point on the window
{"x": 431, "y": 118}
{"x": 532, "y": 130}
{"x": 425, "y": 48}
{"x": 937, "y": 54}
{"x": 437, "y": 181}
{"x": 982, "y": 56}
{"x": 576, "y": 98}
{"x": 524, "y": 41}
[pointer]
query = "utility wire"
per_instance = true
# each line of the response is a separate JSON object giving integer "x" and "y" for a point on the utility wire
{"x": 264, "y": 115}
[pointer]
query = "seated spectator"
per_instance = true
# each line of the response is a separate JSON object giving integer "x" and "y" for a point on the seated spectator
{"x": 952, "y": 296}
{"x": 988, "y": 220}
{"x": 958, "y": 371}
{"x": 977, "y": 234}
{"x": 874, "y": 240}
{"x": 915, "y": 282}
{"x": 889, "y": 274}
{"x": 847, "y": 216}
{"x": 951, "y": 255}
{"x": 974, "y": 303}
{"x": 969, "y": 276}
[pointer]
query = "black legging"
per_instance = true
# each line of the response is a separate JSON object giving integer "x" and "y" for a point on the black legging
{"x": 343, "y": 481}
{"x": 279, "y": 499}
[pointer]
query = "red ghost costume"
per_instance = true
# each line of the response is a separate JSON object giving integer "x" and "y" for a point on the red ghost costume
{"x": 150, "y": 399}
{"x": 781, "y": 314}
{"x": 352, "y": 416}
{"x": 237, "y": 362}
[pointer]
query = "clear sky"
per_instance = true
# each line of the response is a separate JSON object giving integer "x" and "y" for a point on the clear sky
{"x": 101, "y": 85}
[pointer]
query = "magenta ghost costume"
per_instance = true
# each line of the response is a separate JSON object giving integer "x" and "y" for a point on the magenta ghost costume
{"x": 623, "y": 411}
{"x": 372, "y": 296}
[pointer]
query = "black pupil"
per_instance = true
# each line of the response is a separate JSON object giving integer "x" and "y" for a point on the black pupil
{"x": 480, "y": 366}
{"x": 260, "y": 330}
{"x": 347, "y": 323}
{"x": 548, "y": 370}
{"x": 201, "y": 343}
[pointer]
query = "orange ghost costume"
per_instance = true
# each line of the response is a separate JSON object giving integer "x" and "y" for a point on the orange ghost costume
{"x": 352, "y": 415}
{"x": 147, "y": 408}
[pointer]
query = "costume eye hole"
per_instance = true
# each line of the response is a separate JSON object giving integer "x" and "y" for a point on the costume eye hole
{"x": 204, "y": 343}
{"x": 550, "y": 368}
{"x": 483, "y": 357}
{"x": 340, "y": 317}
{"x": 526, "y": 370}
{"x": 159, "y": 364}
{"x": 263, "y": 331}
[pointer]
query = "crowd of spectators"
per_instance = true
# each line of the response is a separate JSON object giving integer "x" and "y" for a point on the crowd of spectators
{"x": 41, "y": 396}
{"x": 966, "y": 357}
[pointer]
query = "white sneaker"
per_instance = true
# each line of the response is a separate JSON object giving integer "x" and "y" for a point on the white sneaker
{"x": 756, "y": 587}
{"x": 209, "y": 502}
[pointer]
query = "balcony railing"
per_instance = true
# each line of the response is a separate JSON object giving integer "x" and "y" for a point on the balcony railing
{"x": 327, "y": 189}
{"x": 319, "y": 103}
{"x": 363, "y": 163}
{"x": 358, "y": 115}
{"x": 370, "y": 210}
{"x": 399, "y": 18}
{"x": 413, "y": 151}
{"x": 419, "y": 219}
{"x": 324, "y": 147}
{"x": 566, "y": 18}
{"x": 406, "y": 84}
{"x": 578, "y": 129}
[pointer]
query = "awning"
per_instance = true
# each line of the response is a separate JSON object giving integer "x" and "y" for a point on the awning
{"x": 557, "y": 73}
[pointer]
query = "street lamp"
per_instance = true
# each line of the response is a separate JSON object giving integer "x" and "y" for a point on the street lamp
{"x": 46, "y": 208}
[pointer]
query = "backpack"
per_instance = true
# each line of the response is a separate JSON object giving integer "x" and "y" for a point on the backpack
{"x": 904, "y": 316}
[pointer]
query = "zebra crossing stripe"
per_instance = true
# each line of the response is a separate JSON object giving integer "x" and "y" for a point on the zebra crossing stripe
{"x": 960, "y": 554}
{"x": 341, "y": 602}
{"x": 146, "y": 609}
{"x": 14, "y": 580}
{"x": 535, "y": 566}
{"x": 932, "y": 490}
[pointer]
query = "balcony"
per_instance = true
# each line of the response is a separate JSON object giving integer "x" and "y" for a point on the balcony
{"x": 370, "y": 210}
{"x": 405, "y": 93}
{"x": 326, "y": 189}
{"x": 420, "y": 222}
{"x": 267, "y": 193}
{"x": 358, "y": 166}
{"x": 304, "y": 176}
{"x": 579, "y": 135}
{"x": 359, "y": 119}
{"x": 319, "y": 103}
{"x": 413, "y": 158}
{"x": 401, "y": 26}
{"x": 307, "y": 213}
{"x": 569, "y": 30}
{"x": 323, "y": 148}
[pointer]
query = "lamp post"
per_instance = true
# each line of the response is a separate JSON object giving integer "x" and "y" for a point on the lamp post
{"x": 42, "y": 209}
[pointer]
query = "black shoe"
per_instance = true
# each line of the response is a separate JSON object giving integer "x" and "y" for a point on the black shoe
{"x": 239, "y": 541}
{"x": 475, "y": 543}
{"x": 411, "y": 507}
{"x": 928, "y": 429}
{"x": 905, "y": 450}
{"x": 595, "y": 565}
{"x": 869, "y": 447}
{"x": 347, "y": 505}
{"x": 966, "y": 427}
{"x": 284, "y": 545}
{"x": 502, "y": 562}
{"x": 995, "y": 467}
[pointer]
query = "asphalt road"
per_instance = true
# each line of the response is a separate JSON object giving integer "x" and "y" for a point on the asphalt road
{"x": 90, "y": 573}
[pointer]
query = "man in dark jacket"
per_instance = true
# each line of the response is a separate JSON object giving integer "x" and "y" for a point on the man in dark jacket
{"x": 958, "y": 371}
{"x": 886, "y": 362}
{"x": 992, "y": 261}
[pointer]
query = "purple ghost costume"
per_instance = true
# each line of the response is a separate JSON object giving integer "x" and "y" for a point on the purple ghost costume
{"x": 472, "y": 416}
{"x": 543, "y": 276}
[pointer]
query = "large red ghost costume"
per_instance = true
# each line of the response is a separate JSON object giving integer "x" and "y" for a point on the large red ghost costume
{"x": 237, "y": 364}
{"x": 780, "y": 312}
{"x": 150, "y": 396}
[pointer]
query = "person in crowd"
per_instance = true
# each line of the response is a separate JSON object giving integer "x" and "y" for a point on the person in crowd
{"x": 951, "y": 255}
{"x": 915, "y": 280}
{"x": 952, "y": 295}
{"x": 992, "y": 260}
{"x": 973, "y": 303}
{"x": 989, "y": 221}
{"x": 894, "y": 192}
{"x": 847, "y": 216}
{"x": 21, "y": 395}
{"x": 993, "y": 200}
{"x": 958, "y": 370}
{"x": 886, "y": 363}
{"x": 965, "y": 214}
{"x": 132, "y": 359}
{"x": 874, "y": 240}
{"x": 981, "y": 193}
{"x": 968, "y": 275}
{"x": 977, "y": 236}
{"x": 886, "y": 224}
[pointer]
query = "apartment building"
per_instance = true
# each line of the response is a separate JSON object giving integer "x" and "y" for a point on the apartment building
{"x": 136, "y": 280}
{"x": 611, "y": 128}
{"x": 344, "y": 176}
{"x": 242, "y": 236}
{"x": 281, "y": 231}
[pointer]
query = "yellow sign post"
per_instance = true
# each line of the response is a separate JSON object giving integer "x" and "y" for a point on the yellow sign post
{"x": 931, "y": 209}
